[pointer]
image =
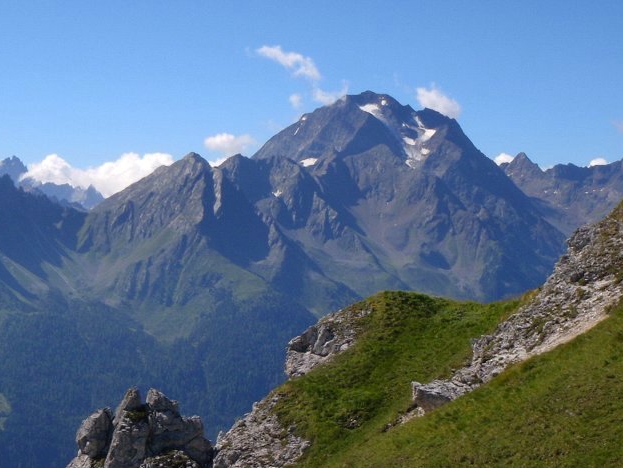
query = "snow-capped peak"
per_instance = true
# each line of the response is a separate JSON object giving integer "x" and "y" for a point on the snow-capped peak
{"x": 412, "y": 133}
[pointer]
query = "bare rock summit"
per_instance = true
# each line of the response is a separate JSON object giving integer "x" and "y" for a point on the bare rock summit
{"x": 142, "y": 435}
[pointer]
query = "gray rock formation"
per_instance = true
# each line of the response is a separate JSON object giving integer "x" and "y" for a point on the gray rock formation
{"x": 320, "y": 342}
{"x": 586, "y": 283}
{"x": 93, "y": 437}
{"x": 259, "y": 439}
{"x": 147, "y": 435}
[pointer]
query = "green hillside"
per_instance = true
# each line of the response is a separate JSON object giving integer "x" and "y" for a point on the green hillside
{"x": 561, "y": 409}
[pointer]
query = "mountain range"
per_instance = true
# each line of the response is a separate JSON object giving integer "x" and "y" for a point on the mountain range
{"x": 64, "y": 194}
{"x": 193, "y": 279}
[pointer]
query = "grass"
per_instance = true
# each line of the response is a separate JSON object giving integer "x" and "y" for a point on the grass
{"x": 5, "y": 410}
{"x": 406, "y": 337}
{"x": 562, "y": 408}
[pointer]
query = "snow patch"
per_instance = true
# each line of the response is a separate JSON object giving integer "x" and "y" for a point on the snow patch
{"x": 371, "y": 109}
{"x": 413, "y": 133}
{"x": 278, "y": 193}
{"x": 428, "y": 134}
{"x": 308, "y": 162}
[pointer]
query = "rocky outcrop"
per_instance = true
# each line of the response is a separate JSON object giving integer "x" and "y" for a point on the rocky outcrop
{"x": 586, "y": 283}
{"x": 320, "y": 342}
{"x": 140, "y": 435}
{"x": 259, "y": 439}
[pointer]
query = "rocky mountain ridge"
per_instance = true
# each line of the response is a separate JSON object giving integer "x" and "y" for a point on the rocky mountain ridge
{"x": 64, "y": 194}
{"x": 585, "y": 285}
{"x": 570, "y": 195}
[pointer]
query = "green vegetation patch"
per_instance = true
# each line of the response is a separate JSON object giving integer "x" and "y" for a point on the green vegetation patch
{"x": 562, "y": 408}
{"x": 5, "y": 410}
{"x": 406, "y": 337}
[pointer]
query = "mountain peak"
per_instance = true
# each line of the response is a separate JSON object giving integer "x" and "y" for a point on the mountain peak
{"x": 192, "y": 156}
{"x": 522, "y": 166}
{"x": 356, "y": 124}
{"x": 14, "y": 167}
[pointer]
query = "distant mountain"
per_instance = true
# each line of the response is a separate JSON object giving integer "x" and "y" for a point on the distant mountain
{"x": 136, "y": 292}
{"x": 383, "y": 197}
{"x": 13, "y": 167}
{"x": 65, "y": 194}
{"x": 572, "y": 195}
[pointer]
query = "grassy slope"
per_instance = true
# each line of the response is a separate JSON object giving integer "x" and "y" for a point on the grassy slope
{"x": 407, "y": 337}
{"x": 560, "y": 409}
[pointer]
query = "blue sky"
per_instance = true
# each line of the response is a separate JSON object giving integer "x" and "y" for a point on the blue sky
{"x": 92, "y": 81}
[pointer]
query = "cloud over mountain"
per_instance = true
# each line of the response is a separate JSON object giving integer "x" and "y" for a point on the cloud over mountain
{"x": 227, "y": 144}
{"x": 108, "y": 178}
{"x": 304, "y": 67}
{"x": 434, "y": 99}
{"x": 503, "y": 158}
{"x": 297, "y": 63}
{"x": 597, "y": 162}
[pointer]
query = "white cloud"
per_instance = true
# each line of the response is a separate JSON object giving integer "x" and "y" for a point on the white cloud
{"x": 618, "y": 124}
{"x": 597, "y": 162}
{"x": 503, "y": 158}
{"x": 228, "y": 144}
{"x": 329, "y": 97}
{"x": 433, "y": 98}
{"x": 108, "y": 178}
{"x": 296, "y": 100}
{"x": 293, "y": 61}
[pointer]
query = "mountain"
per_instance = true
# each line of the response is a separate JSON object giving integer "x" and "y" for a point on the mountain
{"x": 13, "y": 167}
{"x": 74, "y": 314}
{"x": 64, "y": 194}
{"x": 193, "y": 279}
{"x": 384, "y": 197}
{"x": 571, "y": 195}
{"x": 539, "y": 388}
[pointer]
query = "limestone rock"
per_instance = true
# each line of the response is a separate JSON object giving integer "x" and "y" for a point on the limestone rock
{"x": 147, "y": 435}
{"x": 131, "y": 402}
{"x": 259, "y": 441}
{"x": 93, "y": 437}
{"x": 320, "y": 342}
{"x": 128, "y": 447}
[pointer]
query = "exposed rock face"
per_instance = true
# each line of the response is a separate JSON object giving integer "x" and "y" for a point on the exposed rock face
{"x": 259, "y": 439}
{"x": 320, "y": 342}
{"x": 93, "y": 437}
{"x": 147, "y": 435}
{"x": 586, "y": 284}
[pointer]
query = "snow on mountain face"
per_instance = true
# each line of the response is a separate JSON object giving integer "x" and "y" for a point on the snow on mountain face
{"x": 412, "y": 133}
{"x": 308, "y": 162}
